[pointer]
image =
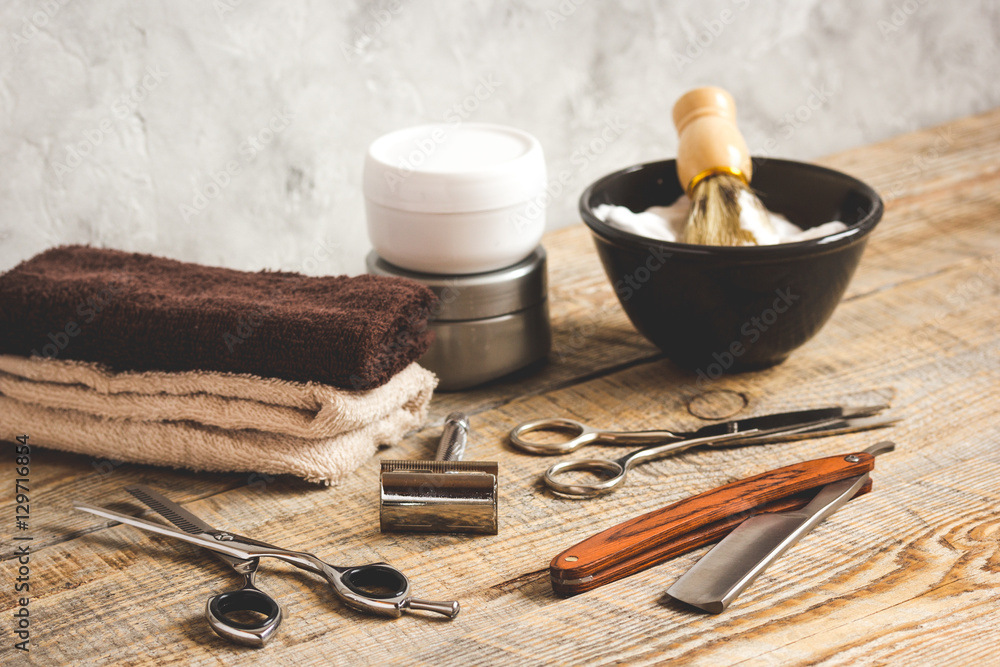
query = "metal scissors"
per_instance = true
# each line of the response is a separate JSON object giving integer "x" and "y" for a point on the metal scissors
{"x": 376, "y": 588}
{"x": 246, "y": 600}
{"x": 739, "y": 432}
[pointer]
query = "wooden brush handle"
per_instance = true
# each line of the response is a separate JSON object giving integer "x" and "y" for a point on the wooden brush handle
{"x": 638, "y": 543}
{"x": 708, "y": 138}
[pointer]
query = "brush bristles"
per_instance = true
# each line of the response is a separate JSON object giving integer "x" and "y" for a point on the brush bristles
{"x": 715, "y": 213}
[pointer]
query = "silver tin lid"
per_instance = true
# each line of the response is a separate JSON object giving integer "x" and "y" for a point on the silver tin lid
{"x": 476, "y": 296}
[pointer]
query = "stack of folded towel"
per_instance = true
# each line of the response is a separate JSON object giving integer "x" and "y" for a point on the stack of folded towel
{"x": 149, "y": 360}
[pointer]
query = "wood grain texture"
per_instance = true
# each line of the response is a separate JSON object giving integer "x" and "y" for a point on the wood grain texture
{"x": 655, "y": 554}
{"x": 909, "y": 574}
{"x": 626, "y": 548}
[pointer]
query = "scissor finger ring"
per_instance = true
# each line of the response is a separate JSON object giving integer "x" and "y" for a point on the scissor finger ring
{"x": 614, "y": 469}
{"x": 263, "y": 611}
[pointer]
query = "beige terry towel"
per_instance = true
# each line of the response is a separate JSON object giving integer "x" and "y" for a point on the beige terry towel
{"x": 207, "y": 420}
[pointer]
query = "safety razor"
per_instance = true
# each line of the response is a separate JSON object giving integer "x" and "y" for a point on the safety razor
{"x": 447, "y": 495}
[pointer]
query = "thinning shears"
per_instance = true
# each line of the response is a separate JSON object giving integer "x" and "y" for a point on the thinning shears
{"x": 755, "y": 430}
{"x": 376, "y": 588}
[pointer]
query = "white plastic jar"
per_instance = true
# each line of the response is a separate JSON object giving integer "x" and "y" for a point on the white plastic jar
{"x": 455, "y": 198}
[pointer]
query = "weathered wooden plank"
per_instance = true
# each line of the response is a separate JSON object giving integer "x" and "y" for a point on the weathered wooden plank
{"x": 593, "y": 336}
{"x": 341, "y": 523}
{"x": 919, "y": 324}
{"x": 830, "y": 598}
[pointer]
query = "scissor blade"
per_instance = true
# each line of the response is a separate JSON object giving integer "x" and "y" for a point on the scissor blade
{"x": 203, "y": 540}
{"x": 821, "y": 429}
{"x": 181, "y": 518}
{"x": 786, "y": 420}
{"x": 170, "y": 510}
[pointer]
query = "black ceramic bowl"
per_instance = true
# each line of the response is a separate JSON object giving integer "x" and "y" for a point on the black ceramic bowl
{"x": 723, "y": 309}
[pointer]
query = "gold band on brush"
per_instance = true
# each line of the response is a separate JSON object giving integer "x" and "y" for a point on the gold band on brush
{"x": 714, "y": 166}
{"x": 714, "y": 171}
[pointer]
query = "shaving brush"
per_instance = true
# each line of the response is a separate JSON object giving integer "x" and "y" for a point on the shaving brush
{"x": 714, "y": 168}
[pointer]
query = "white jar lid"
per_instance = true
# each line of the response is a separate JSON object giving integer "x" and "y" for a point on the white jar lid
{"x": 454, "y": 168}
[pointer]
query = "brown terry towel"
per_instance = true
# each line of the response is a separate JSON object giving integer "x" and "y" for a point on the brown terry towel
{"x": 208, "y": 421}
{"x": 139, "y": 312}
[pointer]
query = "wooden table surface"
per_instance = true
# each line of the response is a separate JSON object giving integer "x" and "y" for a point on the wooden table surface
{"x": 909, "y": 574}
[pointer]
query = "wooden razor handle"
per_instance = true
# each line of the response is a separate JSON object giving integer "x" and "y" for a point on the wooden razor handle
{"x": 653, "y": 537}
{"x": 708, "y": 138}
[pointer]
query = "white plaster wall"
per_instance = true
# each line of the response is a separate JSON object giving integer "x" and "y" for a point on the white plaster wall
{"x": 114, "y": 114}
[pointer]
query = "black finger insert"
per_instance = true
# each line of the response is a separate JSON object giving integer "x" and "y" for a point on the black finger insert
{"x": 379, "y": 582}
{"x": 244, "y": 600}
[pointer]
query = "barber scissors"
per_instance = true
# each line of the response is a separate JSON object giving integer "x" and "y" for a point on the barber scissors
{"x": 739, "y": 432}
{"x": 377, "y": 587}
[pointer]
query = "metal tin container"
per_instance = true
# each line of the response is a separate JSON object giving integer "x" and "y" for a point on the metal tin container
{"x": 486, "y": 325}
